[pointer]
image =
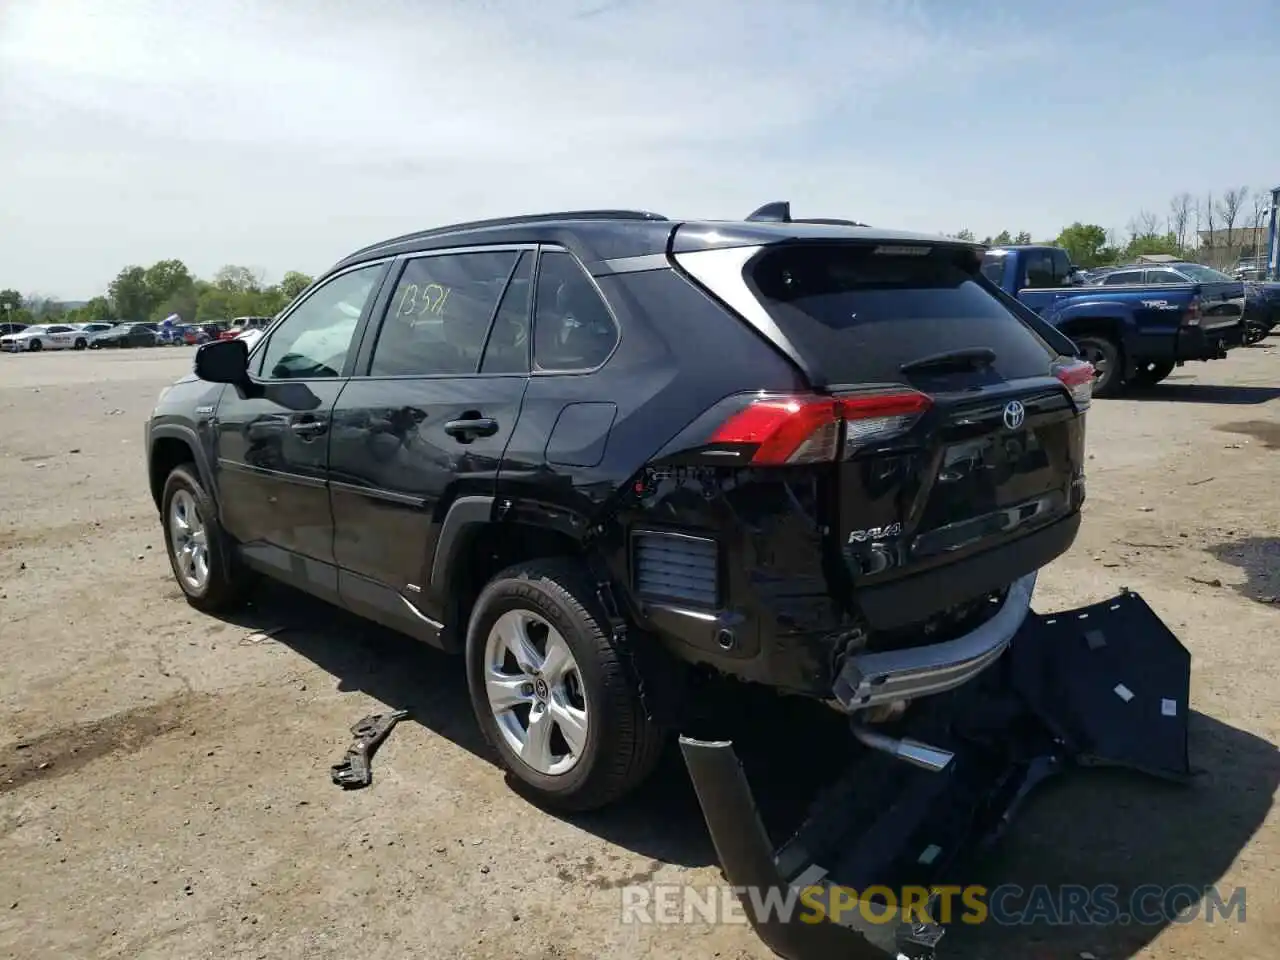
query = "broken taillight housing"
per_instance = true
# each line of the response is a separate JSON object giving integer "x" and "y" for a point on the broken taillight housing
{"x": 1077, "y": 376}
{"x": 806, "y": 428}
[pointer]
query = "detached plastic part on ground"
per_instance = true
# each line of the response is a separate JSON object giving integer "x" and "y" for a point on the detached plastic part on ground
{"x": 1106, "y": 684}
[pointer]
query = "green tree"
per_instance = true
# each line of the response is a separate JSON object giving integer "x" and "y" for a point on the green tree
{"x": 129, "y": 294}
{"x": 1001, "y": 239}
{"x": 1024, "y": 236}
{"x": 965, "y": 234}
{"x": 294, "y": 282}
{"x": 1084, "y": 243}
{"x": 165, "y": 278}
{"x": 10, "y": 301}
{"x": 1152, "y": 243}
{"x": 238, "y": 279}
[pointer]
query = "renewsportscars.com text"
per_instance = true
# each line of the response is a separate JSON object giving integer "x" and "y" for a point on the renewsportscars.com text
{"x": 1011, "y": 905}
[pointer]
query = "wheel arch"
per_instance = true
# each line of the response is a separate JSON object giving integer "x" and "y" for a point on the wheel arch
{"x": 171, "y": 445}
{"x": 474, "y": 545}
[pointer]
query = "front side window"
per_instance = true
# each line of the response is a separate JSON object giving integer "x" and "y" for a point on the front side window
{"x": 439, "y": 314}
{"x": 315, "y": 339}
{"x": 572, "y": 327}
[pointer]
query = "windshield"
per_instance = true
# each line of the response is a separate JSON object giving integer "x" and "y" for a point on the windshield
{"x": 1203, "y": 274}
{"x": 36, "y": 330}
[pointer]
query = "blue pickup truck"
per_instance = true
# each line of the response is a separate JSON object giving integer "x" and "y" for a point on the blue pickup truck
{"x": 1134, "y": 325}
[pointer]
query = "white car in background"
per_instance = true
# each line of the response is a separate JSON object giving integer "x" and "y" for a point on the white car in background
{"x": 42, "y": 336}
{"x": 250, "y": 337}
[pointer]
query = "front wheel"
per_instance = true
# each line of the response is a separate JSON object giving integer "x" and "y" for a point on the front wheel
{"x": 1104, "y": 354}
{"x": 1150, "y": 373}
{"x": 199, "y": 552}
{"x": 552, "y": 692}
{"x": 1254, "y": 333}
{"x": 35, "y": 346}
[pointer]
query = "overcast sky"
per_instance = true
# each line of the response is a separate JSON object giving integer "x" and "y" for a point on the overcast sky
{"x": 284, "y": 133}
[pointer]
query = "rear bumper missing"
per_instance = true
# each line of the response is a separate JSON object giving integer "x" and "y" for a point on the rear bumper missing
{"x": 1105, "y": 684}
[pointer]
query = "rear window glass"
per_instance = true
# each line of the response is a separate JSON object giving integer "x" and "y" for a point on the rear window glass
{"x": 859, "y": 314}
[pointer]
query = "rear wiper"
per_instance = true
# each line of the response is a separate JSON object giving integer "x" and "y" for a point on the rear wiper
{"x": 971, "y": 358}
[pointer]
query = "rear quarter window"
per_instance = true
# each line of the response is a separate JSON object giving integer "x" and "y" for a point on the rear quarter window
{"x": 859, "y": 314}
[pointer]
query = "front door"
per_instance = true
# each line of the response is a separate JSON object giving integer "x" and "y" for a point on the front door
{"x": 425, "y": 423}
{"x": 272, "y": 439}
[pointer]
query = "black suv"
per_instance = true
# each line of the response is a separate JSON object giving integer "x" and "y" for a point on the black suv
{"x": 605, "y": 454}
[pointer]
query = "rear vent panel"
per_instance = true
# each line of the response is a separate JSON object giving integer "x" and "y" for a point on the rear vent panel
{"x": 676, "y": 568}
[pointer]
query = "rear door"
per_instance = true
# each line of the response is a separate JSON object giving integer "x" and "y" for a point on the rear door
{"x": 960, "y": 436}
{"x": 426, "y": 421}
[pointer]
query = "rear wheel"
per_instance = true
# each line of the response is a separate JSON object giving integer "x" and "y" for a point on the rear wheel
{"x": 1150, "y": 373}
{"x": 82, "y": 343}
{"x": 1104, "y": 354}
{"x": 199, "y": 553}
{"x": 1254, "y": 333}
{"x": 553, "y": 693}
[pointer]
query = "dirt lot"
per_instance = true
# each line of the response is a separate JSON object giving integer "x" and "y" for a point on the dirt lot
{"x": 164, "y": 787}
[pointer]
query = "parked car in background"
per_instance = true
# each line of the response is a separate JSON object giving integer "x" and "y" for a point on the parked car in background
{"x": 1134, "y": 324}
{"x": 1252, "y": 268}
{"x": 173, "y": 335}
{"x": 89, "y": 329}
{"x": 251, "y": 336}
{"x": 40, "y": 336}
{"x": 198, "y": 333}
{"x": 125, "y": 335}
{"x": 8, "y": 328}
{"x": 1261, "y": 310}
{"x": 240, "y": 324}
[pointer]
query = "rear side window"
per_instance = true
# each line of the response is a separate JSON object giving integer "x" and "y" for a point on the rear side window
{"x": 1122, "y": 277}
{"x": 572, "y": 327}
{"x": 859, "y": 315}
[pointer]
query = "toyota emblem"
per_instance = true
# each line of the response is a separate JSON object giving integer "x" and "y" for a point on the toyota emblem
{"x": 1014, "y": 414}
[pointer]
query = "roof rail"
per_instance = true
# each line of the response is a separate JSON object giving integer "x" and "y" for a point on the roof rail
{"x": 513, "y": 222}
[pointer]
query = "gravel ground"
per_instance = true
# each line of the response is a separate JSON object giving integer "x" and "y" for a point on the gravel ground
{"x": 164, "y": 787}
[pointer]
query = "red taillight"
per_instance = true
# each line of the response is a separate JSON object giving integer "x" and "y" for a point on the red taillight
{"x": 806, "y": 429}
{"x": 1191, "y": 318}
{"x": 1077, "y": 376}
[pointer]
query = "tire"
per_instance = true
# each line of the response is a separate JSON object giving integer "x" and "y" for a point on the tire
{"x": 541, "y": 600}
{"x": 1254, "y": 333}
{"x": 225, "y": 583}
{"x": 1105, "y": 356}
{"x": 35, "y": 346}
{"x": 82, "y": 344}
{"x": 1150, "y": 373}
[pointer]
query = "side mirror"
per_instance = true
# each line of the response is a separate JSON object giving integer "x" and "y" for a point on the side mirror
{"x": 223, "y": 361}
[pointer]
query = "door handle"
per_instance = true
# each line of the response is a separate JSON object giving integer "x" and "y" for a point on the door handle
{"x": 467, "y": 430}
{"x": 307, "y": 429}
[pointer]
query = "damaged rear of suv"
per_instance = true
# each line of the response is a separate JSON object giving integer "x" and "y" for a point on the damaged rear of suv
{"x": 608, "y": 456}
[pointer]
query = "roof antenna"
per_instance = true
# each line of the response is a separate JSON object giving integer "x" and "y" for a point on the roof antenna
{"x": 777, "y": 212}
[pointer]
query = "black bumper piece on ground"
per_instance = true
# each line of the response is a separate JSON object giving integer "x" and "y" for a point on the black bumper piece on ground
{"x": 1106, "y": 684}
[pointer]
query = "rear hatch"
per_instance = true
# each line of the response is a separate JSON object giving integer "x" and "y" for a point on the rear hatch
{"x": 960, "y": 427}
